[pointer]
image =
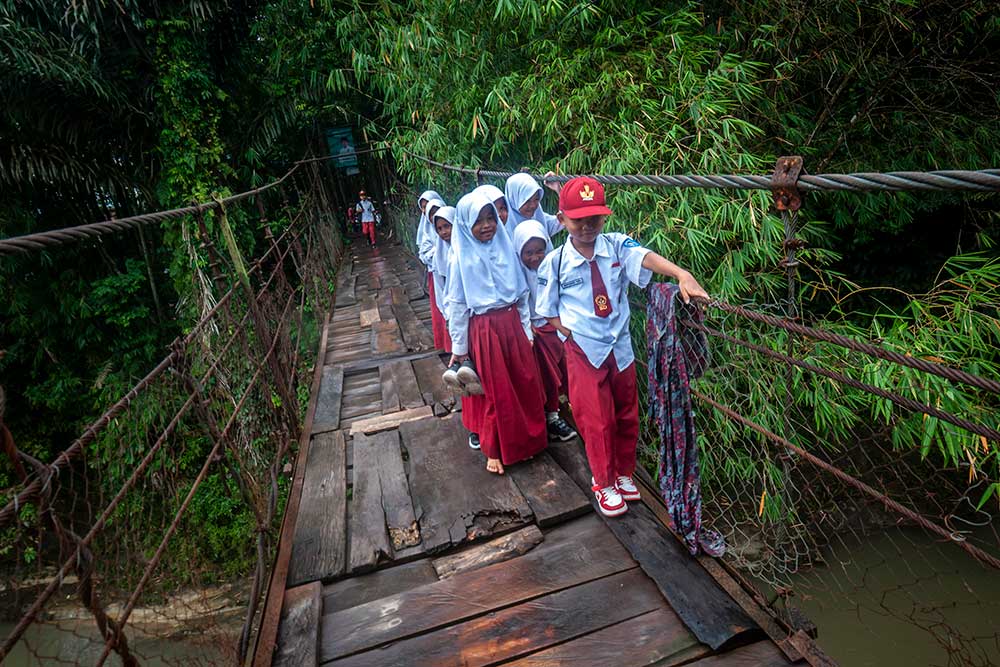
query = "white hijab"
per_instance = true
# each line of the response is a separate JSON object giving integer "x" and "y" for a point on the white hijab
{"x": 489, "y": 274}
{"x": 524, "y": 232}
{"x": 520, "y": 188}
{"x": 491, "y": 191}
{"x": 442, "y": 248}
{"x": 424, "y": 230}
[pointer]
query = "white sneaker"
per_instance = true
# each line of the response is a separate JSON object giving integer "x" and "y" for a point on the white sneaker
{"x": 627, "y": 488}
{"x": 609, "y": 500}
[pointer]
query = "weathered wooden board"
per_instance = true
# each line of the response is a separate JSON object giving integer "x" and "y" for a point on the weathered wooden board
{"x": 331, "y": 391}
{"x": 553, "y": 496}
{"x": 297, "y": 643}
{"x": 390, "y": 392}
{"x": 345, "y": 292}
{"x": 319, "y": 544}
{"x": 523, "y": 629}
{"x": 708, "y": 611}
{"x": 416, "y": 335}
{"x": 406, "y": 384}
{"x": 589, "y": 554}
{"x": 759, "y": 654}
{"x": 386, "y": 338}
{"x": 655, "y": 638}
{"x": 397, "y": 507}
{"x": 428, "y": 371}
{"x": 358, "y": 590}
{"x": 390, "y": 421}
{"x": 503, "y": 548}
{"x": 369, "y": 539}
{"x": 456, "y": 499}
{"x": 369, "y": 317}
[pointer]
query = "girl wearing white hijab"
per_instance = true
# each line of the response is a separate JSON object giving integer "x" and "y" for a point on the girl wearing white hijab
{"x": 489, "y": 319}
{"x": 425, "y": 238}
{"x": 532, "y": 243}
{"x": 443, "y": 219}
{"x": 524, "y": 199}
{"x": 427, "y": 249}
{"x": 496, "y": 196}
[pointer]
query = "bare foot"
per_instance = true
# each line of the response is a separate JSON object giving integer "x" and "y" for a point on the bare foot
{"x": 494, "y": 465}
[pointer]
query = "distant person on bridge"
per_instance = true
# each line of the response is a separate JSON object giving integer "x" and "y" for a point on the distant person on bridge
{"x": 366, "y": 209}
{"x": 489, "y": 320}
{"x": 583, "y": 292}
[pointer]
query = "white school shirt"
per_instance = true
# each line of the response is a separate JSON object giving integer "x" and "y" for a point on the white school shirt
{"x": 571, "y": 298}
{"x": 459, "y": 313}
{"x": 367, "y": 210}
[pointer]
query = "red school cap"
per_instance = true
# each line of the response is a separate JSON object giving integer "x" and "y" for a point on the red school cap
{"x": 582, "y": 197}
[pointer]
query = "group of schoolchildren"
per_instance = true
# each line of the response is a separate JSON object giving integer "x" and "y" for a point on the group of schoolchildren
{"x": 525, "y": 323}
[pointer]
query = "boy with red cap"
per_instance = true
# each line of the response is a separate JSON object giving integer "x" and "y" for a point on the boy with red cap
{"x": 583, "y": 293}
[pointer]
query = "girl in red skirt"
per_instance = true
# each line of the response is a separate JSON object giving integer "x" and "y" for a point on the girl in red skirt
{"x": 532, "y": 243}
{"x": 438, "y": 325}
{"x": 489, "y": 319}
{"x": 443, "y": 219}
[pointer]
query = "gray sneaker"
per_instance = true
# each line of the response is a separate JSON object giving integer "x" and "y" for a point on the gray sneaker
{"x": 450, "y": 377}
{"x": 469, "y": 378}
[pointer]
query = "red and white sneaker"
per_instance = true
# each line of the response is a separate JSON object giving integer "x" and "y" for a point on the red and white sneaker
{"x": 627, "y": 488}
{"x": 609, "y": 500}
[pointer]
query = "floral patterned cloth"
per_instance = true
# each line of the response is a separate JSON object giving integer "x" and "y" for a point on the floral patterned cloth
{"x": 677, "y": 355}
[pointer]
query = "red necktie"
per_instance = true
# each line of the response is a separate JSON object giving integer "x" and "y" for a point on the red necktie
{"x": 602, "y": 304}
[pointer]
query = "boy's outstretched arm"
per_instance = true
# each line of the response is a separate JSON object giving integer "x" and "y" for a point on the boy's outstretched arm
{"x": 663, "y": 266}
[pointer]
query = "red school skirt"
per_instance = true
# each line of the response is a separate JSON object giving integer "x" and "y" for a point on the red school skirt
{"x": 551, "y": 358}
{"x": 512, "y": 425}
{"x": 442, "y": 340}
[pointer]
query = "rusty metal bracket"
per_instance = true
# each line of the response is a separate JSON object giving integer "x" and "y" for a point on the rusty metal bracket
{"x": 784, "y": 183}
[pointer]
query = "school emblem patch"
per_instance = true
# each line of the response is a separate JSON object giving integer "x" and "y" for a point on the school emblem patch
{"x": 587, "y": 194}
{"x": 630, "y": 243}
{"x": 601, "y": 302}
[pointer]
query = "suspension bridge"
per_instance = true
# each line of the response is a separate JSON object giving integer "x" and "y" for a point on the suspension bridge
{"x": 385, "y": 541}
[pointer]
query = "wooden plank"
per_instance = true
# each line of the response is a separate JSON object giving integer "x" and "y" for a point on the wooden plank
{"x": 553, "y": 496}
{"x": 503, "y": 548}
{"x": 297, "y": 642}
{"x": 759, "y": 654}
{"x": 345, "y": 292}
{"x": 318, "y": 548}
{"x": 396, "y": 504}
{"x": 331, "y": 391}
{"x": 589, "y": 555}
{"x": 369, "y": 539}
{"x": 416, "y": 335}
{"x": 358, "y": 590}
{"x": 428, "y": 371}
{"x": 386, "y": 338}
{"x": 369, "y": 317}
{"x": 390, "y": 393}
{"x": 655, "y": 638}
{"x": 523, "y": 629}
{"x": 455, "y": 497}
{"x": 375, "y": 363}
{"x": 406, "y": 385}
{"x": 386, "y": 422}
{"x": 708, "y": 611}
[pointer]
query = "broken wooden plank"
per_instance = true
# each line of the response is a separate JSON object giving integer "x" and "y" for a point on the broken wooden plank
{"x": 553, "y": 496}
{"x": 654, "y": 638}
{"x": 523, "y": 629}
{"x": 386, "y": 422}
{"x": 503, "y": 548}
{"x": 406, "y": 384}
{"x": 319, "y": 544}
{"x": 416, "y": 335}
{"x": 390, "y": 393}
{"x": 369, "y": 539}
{"x": 397, "y": 507}
{"x": 358, "y": 590}
{"x": 589, "y": 553}
{"x": 428, "y": 371}
{"x": 331, "y": 391}
{"x": 386, "y": 338}
{"x": 297, "y": 642}
{"x": 345, "y": 292}
{"x": 454, "y": 495}
{"x": 707, "y": 609}
{"x": 760, "y": 654}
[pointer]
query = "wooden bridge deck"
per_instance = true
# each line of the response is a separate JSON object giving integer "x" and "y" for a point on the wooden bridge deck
{"x": 403, "y": 550}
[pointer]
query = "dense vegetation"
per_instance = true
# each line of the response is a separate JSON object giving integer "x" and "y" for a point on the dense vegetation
{"x": 137, "y": 106}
